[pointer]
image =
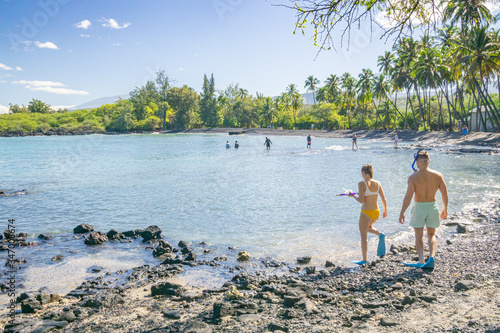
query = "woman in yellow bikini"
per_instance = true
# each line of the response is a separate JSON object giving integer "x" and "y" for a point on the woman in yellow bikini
{"x": 368, "y": 192}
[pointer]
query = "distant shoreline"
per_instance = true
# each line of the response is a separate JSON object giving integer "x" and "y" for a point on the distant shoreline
{"x": 485, "y": 139}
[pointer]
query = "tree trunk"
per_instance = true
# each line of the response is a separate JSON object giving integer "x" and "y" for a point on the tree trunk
{"x": 420, "y": 110}
{"x": 494, "y": 116}
{"x": 478, "y": 111}
{"x": 416, "y": 124}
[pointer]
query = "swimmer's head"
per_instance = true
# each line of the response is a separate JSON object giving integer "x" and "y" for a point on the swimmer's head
{"x": 367, "y": 169}
{"x": 423, "y": 156}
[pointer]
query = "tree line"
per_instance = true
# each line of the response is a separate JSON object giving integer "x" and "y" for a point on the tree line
{"x": 430, "y": 83}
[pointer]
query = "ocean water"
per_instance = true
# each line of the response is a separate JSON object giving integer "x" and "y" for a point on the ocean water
{"x": 278, "y": 203}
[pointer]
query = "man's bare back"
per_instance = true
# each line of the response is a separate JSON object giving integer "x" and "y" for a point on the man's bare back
{"x": 426, "y": 182}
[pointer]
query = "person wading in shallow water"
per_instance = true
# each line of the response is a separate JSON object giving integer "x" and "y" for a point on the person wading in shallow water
{"x": 425, "y": 183}
{"x": 354, "y": 141}
{"x": 268, "y": 143}
{"x": 368, "y": 192}
{"x": 309, "y": 141}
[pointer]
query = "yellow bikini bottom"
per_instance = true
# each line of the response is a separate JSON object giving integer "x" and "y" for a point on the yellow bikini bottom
{"x": 373, "y": 214}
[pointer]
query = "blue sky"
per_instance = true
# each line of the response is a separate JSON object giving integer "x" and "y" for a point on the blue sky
{"x": 68, "y": 52}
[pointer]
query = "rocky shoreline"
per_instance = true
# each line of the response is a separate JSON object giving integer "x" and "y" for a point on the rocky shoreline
{"x": 462, "y": 294}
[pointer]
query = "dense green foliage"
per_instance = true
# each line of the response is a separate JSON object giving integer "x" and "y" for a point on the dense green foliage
{"x": 426, "y": 84}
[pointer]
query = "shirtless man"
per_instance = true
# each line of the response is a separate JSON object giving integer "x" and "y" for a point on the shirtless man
{"x": 424, "y": 183}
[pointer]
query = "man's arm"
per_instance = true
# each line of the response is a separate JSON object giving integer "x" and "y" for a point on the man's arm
{"x": 407, "y": 200}
{"x": 384, "y": 201}
{"x": 444, "y": 197}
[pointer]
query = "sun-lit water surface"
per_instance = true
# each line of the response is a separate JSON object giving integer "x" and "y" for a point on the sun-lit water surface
{"x": 280, "y": 203}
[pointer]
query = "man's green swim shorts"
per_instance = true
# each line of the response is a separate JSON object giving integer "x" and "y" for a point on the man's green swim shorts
{"x": 425, "y": 214}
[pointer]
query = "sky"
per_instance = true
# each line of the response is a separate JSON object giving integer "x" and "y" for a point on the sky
{"x": 68, "y": 52}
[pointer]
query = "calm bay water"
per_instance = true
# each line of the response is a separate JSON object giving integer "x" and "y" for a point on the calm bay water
{"x": 280, "y": 203}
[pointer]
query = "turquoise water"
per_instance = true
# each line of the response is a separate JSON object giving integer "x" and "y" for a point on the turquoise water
{"x": 280, "y": 203}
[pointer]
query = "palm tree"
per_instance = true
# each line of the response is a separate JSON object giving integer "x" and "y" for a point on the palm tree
{"x": 322, "y": 95}
{"x": 295, "y": 100}
{"x": 426, "y": 74}
{"x": 332, "y": 87}
{"x": 242, "y": 93}
{"x": 381, "y": 90}
{"x": 268, "y": 111}
{"x": 386, "y": 62}
{"x": 479, "y": 55}
{"x": 364, "y": 89}
{"x": 348, "y": 85}
{"x": 311, "y": 85}
{"x": 469, "y": 13}
{"x": 282, "y": 106}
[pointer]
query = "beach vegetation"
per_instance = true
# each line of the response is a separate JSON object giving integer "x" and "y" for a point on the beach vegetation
{"x": 439, "y": 80}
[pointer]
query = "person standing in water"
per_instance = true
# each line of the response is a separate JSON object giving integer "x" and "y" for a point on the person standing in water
{"x": 368, "y": 192}
{"x": 309, "y": 141}
{"x": 396, "y": 139}
{"x": 354, "y": 141}
{"x": 228, "y": 145}
{"x": 425, "y": 183}
{"x": 464, "y": 131}
{"x": 268, "y": 143}
{"x": 236, "y": 144}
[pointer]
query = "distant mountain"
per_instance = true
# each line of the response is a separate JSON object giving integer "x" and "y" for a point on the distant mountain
{"x": 98, "y": 102}
{"x": 308, "y": 99}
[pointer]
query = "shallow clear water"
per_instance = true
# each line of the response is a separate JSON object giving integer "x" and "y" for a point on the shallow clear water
{"x": 280, "y": 203}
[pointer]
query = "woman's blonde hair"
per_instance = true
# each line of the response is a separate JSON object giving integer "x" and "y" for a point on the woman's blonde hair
{"x": 368, "y": 169}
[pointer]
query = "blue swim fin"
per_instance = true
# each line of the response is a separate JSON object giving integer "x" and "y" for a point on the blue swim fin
{"x": 381, "y": 245}
{"x": 417, "y": 265}
{"x": 430, "y": 263}
{"x": 359, "y": 262}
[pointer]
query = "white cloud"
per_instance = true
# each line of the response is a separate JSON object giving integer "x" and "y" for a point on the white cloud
{"x": 62, "y": 107}
{"x": 4, "y": 109}
{"x": 116, "y": 44}
{"x": 5, "y": 67}
{"x": 492, "y": 5}
{"x": 85, "y": 24}
{"x": 19, "y": 69}
{"x": 50, "y": 87}
{"x": 111, "y": 23}
{"x": 431, "y": 14}
{"x": 46, "y": 45}
{"x": 85, "y": 35}
{"x": 181, "y": 69}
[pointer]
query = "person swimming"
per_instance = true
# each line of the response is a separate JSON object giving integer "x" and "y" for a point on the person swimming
{"x": 368, "y": 192}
